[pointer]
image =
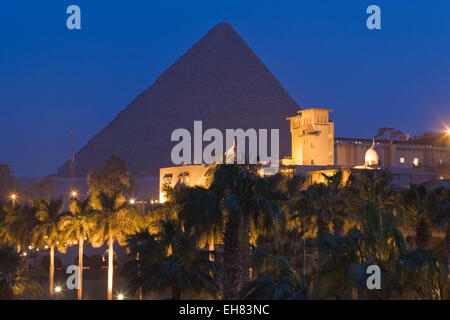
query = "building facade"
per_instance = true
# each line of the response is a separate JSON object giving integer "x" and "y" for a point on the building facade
{"x": 409, "y": 154}
{"x": 315, "y": 151}
{"x": 312, "y": 134}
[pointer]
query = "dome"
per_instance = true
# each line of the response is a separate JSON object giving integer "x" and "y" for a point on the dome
{"x": 371, "y": 158}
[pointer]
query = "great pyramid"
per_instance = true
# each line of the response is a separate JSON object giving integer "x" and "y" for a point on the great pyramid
{"x": 219, "y": 80}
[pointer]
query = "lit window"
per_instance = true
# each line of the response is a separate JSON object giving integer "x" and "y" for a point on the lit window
{"x": 416, "y": 162}
{"x": 168, "y": 178}
{"x": 441, "y": 161}
{"x": 402, "y": 159}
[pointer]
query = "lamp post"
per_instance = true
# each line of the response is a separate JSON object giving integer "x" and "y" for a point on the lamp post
{"x": 133, "y": 201}
{"x": 13, "y": 198}
{"x": 74, "y": 193}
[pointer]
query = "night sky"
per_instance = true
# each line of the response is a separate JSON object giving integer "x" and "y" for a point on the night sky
{"x": 53, "y": 80}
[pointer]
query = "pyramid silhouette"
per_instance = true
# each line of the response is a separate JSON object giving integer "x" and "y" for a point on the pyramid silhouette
{"x": 219, "y": 80}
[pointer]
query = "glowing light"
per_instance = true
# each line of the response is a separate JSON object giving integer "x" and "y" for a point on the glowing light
{"x": 132, "y": 201}
{"x": 13, "y": 198}
{"x": 120, "y": 296}
{"x": 58, "y": 289}
{"x": 448, "y": 131}
{"x": 30, "y": 247}
{"x": 24, "y": 254}
{"x": 74, "y": 193}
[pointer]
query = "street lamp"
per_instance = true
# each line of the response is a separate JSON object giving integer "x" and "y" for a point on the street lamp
{"x": 120, "y": 296}
{"x": 74, "y": 193}
{"x": 132, "y": 201}
{"x": 13, "y": 198}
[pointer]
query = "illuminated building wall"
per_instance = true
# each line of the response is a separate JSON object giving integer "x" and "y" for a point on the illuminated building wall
{"x": 312, "y": 134}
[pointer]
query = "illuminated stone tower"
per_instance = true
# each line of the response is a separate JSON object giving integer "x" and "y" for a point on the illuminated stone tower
{"x": 312, "y": 137}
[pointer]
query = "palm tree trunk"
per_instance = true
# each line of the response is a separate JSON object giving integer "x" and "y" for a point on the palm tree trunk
{"x": 176, "y": 292}
{"x": 423, "y": 234}
{"x": 380, "y": 214}
{"x": 138, "y": 258}
{"x": 51, "y": 269}
{"x": 304, "y": 257}
{"x": 230, "y": 262}
{"x": 245, "y": 253}
{"x": 110, "y": 266}
{"x": 80, "y": 268}
{"x": 447, "y": 241}
{"x": 322, "y": 225}
{"x": 211, "y": 246}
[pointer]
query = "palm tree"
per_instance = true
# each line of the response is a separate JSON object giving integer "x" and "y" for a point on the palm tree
{"x": 405, "y": 274}
{"x": 245, "y": 199}
{"x": 76, "y": 226}
{"x": 15, "y": 278}
{"x": 17, "y": 224}
{"x": 115, "y": 221}
{"x": 441, "y": 219}
{"x": 46, "y": 231}
{"x": 202, "y": 215}
{"x": 278, "y": 281}
{"x": 374, "y": 187}
{"x": 169, "y": 261}
{"x": 420, "y": 206}
{"x": 315, "y": 207}
{"x": 143, "y": 245}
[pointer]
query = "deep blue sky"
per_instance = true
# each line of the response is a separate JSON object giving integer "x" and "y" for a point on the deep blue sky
{"x": 53, "y": 80}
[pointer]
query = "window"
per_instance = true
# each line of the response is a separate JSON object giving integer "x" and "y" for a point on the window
{"x": 167, "y": 178}
{"x": 402, "y": 159}
{"x": 416, "y": 162}
{"x": 441, "y": 161}
{"x": 184, "y": 177}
